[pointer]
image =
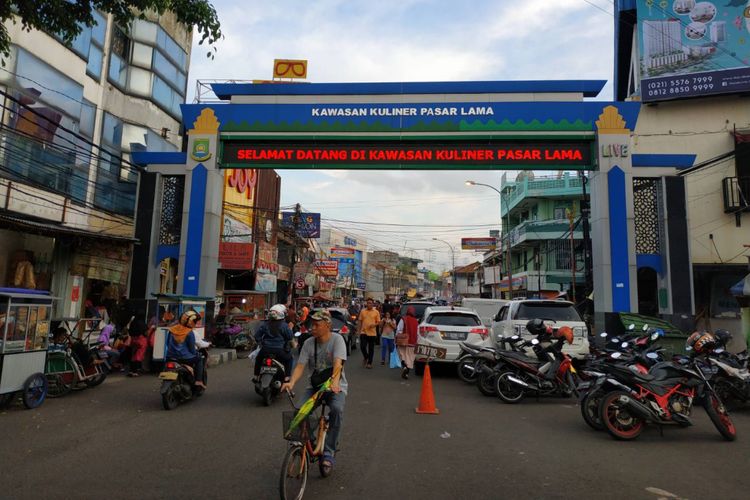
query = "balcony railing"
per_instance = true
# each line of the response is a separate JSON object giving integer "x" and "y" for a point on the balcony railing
{"x": 539, "y": 187}
{"x": 736, "y": 194}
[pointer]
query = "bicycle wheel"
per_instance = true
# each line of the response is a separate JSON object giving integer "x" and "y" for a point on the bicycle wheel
{"x": 293, "y": 473}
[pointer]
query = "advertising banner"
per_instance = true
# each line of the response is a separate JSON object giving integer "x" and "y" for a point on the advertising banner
{"x": 692, "y": 48}
{"x": 478, "y": 243}
{"x": 236, "y": 255}
{"x": 265, "y": 282}
{"x": 343, "y": 255}
{"x": 308, "y": 225}
{"x": 267, "y": 259}
{"x": 327, "y": 267}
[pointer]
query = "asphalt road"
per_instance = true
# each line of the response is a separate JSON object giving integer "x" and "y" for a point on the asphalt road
{"x": 115, "y": 441}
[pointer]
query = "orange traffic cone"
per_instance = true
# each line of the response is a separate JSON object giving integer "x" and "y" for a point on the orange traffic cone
{"x": 427, "y": 398}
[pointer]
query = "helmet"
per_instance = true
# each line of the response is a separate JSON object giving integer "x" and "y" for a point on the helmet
{"x": 278, "y": 311}
{"x": 537, "y": 327}
{"x": 722, "y": 336}
{"x": 564, "y": 332}
{"x": 701, "y": 342}
{"x": 189, "y": 318}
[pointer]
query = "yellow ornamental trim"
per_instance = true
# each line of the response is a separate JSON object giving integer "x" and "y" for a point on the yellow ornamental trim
{"x": 610, "y": 122}
{"x": 206, "y": 123}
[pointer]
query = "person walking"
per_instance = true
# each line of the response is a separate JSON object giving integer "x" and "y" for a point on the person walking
{"x": 387, "y": 342}
{"x": 367, "y": 325}
{"x": 406, "y": 340}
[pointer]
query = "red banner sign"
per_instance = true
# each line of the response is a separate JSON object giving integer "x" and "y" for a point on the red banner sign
{"x": 267, "y": 262}
{"x": 236, "y": 255}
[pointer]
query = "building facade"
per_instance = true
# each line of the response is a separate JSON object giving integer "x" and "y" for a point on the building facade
{"x": 71, "y": 117}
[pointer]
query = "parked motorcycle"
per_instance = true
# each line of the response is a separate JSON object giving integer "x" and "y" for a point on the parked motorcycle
{"x": 232, "y": 335}
{"x": 178, "y": 382}
{"x": 732, "y": 377}
{"x": 552, "y": 373}
{"x": 664, "y": 396}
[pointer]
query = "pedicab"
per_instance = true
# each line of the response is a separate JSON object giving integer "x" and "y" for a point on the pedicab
{"x": 24, "y": 335}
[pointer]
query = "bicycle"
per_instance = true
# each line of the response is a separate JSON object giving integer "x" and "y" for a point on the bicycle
{"x": 305, "y": 446}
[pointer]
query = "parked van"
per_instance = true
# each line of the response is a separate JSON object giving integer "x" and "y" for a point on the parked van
{"x": 486, "y": 308}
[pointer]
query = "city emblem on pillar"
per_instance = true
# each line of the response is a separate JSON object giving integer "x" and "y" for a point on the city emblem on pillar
{"x": 200, "y": 150}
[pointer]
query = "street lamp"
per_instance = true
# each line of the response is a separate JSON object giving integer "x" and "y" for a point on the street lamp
{"x": 508, "y": 266}
{"x": 453, "y": 264}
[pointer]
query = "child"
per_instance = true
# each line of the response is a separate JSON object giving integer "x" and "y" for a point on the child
{"x": 138, "y": 345}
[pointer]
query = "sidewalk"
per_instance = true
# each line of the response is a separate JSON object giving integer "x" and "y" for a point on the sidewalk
{"x": 218, "y": 356}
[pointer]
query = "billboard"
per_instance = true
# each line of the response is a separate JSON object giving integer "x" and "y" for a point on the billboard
{"x": 691, "y": 48}
{"x": 343, "y": 255}
{"x": 308, "y": 225}
{"x": 327, "y": 267}
{"x": 478, "y": 243}
{"x": 236, "y": 249}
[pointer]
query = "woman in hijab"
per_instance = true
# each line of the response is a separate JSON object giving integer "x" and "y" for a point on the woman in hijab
{"x": 406, "y": 340}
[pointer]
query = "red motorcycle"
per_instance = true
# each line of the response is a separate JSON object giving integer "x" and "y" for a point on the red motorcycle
{"x": 522, "y": 374}
{"x": 664, "y": 396}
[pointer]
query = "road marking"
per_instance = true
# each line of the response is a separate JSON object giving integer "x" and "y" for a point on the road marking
{"x": 663, "y": 494}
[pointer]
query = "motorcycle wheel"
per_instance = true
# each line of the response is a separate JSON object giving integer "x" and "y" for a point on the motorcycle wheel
{"x": 467, "y": 370}
{"x": 486, "y": 384}
{"x": 617, "y": 421}
{"x": 97, "y": 379}
{"x": 293, "y": 474}
{"x": 723, "y": 388}
{"x": 590, "y": 411}
{"x": 719, "y": 416}
{"x": 34, "y": 391}
{"x": 267, "y": 396}
{"x": 508, "y": 391}
{"x": 169, "y": 400}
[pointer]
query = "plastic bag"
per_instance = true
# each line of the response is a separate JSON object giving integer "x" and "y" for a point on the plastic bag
{"x": 254, "y": 354}
{"x": 395, "y": 360}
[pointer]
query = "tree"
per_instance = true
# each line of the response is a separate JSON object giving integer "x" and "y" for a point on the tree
{"x": 66, "y": 17}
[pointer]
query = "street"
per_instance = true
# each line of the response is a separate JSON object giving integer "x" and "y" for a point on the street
{"x": 116, "y": 441}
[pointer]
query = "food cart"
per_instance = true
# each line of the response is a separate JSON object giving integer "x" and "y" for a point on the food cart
{"x": 24, "y": 335}
{"x": 170, "y": 308}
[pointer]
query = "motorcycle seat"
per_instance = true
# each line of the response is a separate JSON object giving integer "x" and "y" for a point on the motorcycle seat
{"x": 522, "y": 357}
{"x": 471, "y": 347}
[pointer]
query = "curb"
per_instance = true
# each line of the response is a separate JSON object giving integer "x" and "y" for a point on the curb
{"x": 221, "y": 356}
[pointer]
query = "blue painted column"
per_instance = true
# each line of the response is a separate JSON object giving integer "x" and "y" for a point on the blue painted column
{"x": 197, "y": 207}
{"x": 618, "y": 240}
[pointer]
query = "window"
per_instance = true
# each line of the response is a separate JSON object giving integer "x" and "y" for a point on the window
{"x": 559, "y": 213}
{"x": 547, "y": 310}
{"x": 470, "y": 279}
{"x": 453, "y": 319}
{"x": 151, "y": 64}
{"x": 114, "y": 190}
{"x": 89, "y": 44}
{"x": 80, "y": 178}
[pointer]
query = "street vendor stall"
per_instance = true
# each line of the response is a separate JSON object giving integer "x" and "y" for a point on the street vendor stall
{"x": 24, "y": 332}
{"x": 170, "y": 308}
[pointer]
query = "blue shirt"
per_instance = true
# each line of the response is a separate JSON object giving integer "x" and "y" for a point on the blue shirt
{"x": 266, "y": 337}
{"x": 185, "y": 350}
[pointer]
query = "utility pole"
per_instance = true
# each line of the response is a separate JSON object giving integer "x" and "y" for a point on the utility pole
{"x": 572, "y": 256}
{"x": 296, "y": 218}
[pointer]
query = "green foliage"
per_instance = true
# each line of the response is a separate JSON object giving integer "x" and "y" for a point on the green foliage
{"x": 65, "y": 17}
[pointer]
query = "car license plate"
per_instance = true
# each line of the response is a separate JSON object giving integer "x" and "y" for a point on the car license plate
{"x": 453, "y": 335}
{"x": 168, "y": 375}
{"x": 268, "y": 369}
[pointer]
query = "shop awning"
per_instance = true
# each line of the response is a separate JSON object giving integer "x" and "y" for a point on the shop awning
{"x": 52, "y": 229}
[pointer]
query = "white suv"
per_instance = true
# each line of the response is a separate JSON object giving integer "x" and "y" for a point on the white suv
{"x": 512, "y": 319}
{"x": 447, "y": 327}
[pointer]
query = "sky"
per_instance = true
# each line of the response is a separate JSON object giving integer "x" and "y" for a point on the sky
{"x": 409, "y": 40}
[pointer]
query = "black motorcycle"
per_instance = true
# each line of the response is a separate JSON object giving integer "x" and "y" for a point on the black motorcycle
{"x": 178, "y": 382}
{"x": 272, "y": 374}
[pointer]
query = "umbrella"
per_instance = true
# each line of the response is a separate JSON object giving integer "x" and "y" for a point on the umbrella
{"x": 308, "y": 406}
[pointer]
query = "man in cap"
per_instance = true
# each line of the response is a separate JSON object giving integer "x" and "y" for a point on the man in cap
{"x": 324, "y": 353}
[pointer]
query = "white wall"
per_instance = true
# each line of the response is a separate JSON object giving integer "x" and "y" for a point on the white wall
{"x": 702, "y": 127}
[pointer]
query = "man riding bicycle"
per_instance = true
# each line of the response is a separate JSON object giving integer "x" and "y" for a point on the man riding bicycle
{"x": 324, "y": 353}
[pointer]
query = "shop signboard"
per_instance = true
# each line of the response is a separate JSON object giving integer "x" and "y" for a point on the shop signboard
{"x": 102, "y": 260}
{"x": 482, "y": 244}
{"x": 236, "y": 255}
{"x": 327, "y": 267}
{"x": 519, "y": 283}
{"x": 692, "y": 48}
{"x": 265, "y": 282}
{"x": 267, "y": 259}
{"x": 308, "y": 225}
{"x": 290, "y": 68}
{"x": 342, "y": 254}
{"x": 284, "y": 273}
